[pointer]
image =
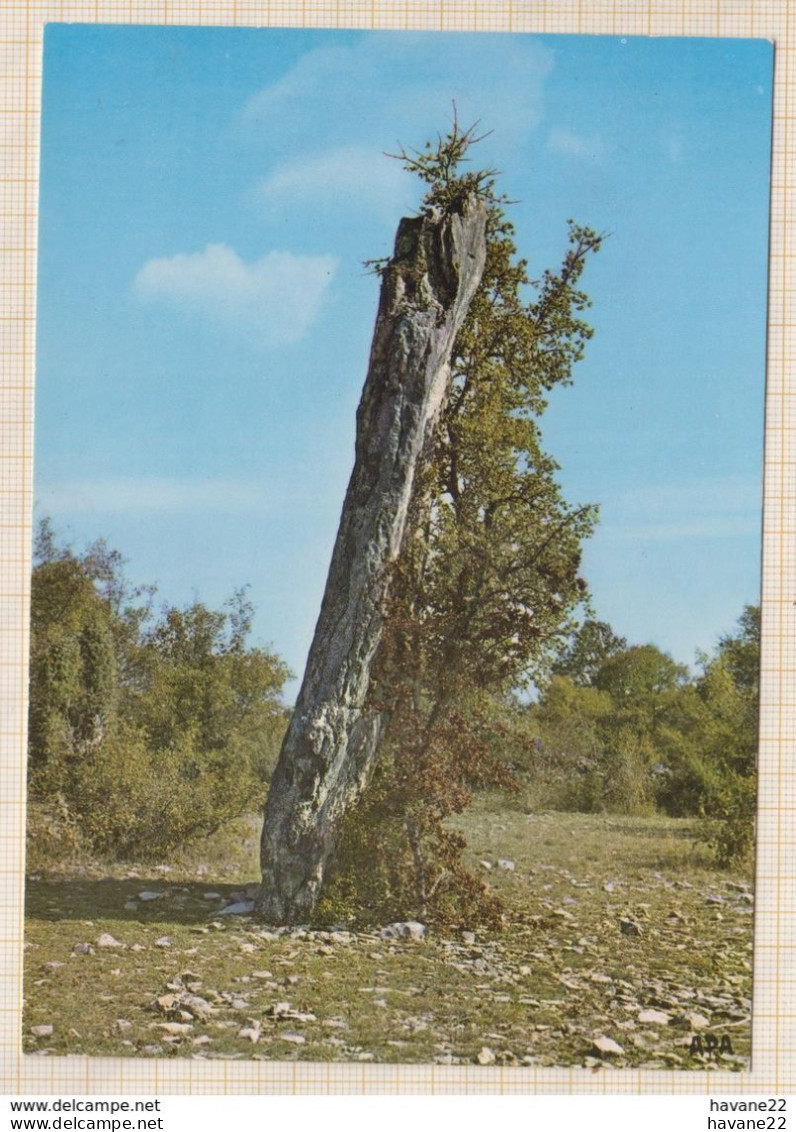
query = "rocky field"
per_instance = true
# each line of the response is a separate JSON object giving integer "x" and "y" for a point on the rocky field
{"x": 623, "y": 947}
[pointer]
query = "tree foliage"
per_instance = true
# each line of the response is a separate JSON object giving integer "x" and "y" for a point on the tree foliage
{"x": 584, "y": 654}
{"x": 628, "y": 729}
{"x": 488, "y": 575}
{"x": 145, "y": 730}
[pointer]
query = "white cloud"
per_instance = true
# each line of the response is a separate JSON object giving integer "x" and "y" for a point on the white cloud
{"x": 397, "y": 87}
{"x": 125, "y": 495}
{"x": 576, "y": 145}
{"x": 275, "y": 298}
{"x": 361, "y": 176}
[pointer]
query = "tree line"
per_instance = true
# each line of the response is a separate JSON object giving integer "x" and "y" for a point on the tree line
{"x": 150, "y": 727}
{"x": 625, "y": 728}
{"x": 147, "y": 727}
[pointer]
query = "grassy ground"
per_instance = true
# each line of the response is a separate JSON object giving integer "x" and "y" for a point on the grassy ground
{"x": 612, "y": 918}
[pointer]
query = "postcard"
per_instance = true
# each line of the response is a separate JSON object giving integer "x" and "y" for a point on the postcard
{"x": 395, "y": 616}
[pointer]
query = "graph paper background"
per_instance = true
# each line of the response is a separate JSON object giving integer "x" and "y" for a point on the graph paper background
{"x": 774, "y": 1015}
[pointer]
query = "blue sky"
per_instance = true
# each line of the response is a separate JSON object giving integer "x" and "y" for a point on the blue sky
{"x": 207, "y": 199}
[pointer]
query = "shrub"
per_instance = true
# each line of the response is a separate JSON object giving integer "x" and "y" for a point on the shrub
{"x": 413, "y": 871}
{"x": 145, "y": 732}
{"x": 52, "y": 836}
{"x": 729, "y": 823}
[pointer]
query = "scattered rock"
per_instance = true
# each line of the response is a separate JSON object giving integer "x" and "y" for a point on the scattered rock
{"x": 151, "y": 895}
{"x": 41, "y": 1031}
{"x": 131, "y": 906}
{"x": 164, "y": 941}
{"x": 407, "y": 929}
{"x": 83, "y": 949}
{"x": 284, "y": 1012}
{"x": 123, "y": 1024}
{"x": 289, "y": 1036}
{"x": 107, "y": 940}
{"x": 630, "y": 927}
{"x": 607, "y": 1045}
{"x": 241, "y": 908}
{"x": 212, "y": 896}
{"x": 199, "y": 1007}
{"x": 175, "y": 1029}
{"x": 695, "y": 1021}
{"x": 238, "y": 1003}
{"x": 485, "y": 1056}
{"x": 279, "y": 1009}
{"x": 485, "y": 864}
{"x": 654, "y": 1018}
{"x": 468, "y": 937}
{"x": 250, "y": 1032}
{"x": 507, "y": 865}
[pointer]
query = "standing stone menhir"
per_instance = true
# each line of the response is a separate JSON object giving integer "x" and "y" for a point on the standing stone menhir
{"x": 328, "y": 751}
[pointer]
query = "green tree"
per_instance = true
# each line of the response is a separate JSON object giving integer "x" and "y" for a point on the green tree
{"x": 740, "y": 651}
{"x": 724, "y": 741}
{"x": 145, "y": 730}
{"x": 606, "y": 729}
{"x": 588, "y": 648}
{"x": 488, "y": 576}
{"x": 644, "y": 684}
{"x": 628, "y": 727}
{"x": 565, "y": 764}
{"x": 209, "y": 695}
{"x": 75, "y": 677}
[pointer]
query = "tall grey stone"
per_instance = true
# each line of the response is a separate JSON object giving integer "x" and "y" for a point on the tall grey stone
{"x": 329, "y": 747}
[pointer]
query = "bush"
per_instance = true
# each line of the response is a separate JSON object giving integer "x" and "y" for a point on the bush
{"x": 414, "y": 871}
{"x": 414, "y": 861}
{"x": 625, "y": 775}
{"x": 52, "y": 837}
{"x": 729, "y": 824}
{"x": 584, "y": 758}
{"x": 134, "y": 803}
{"x": 145, "y": 732}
